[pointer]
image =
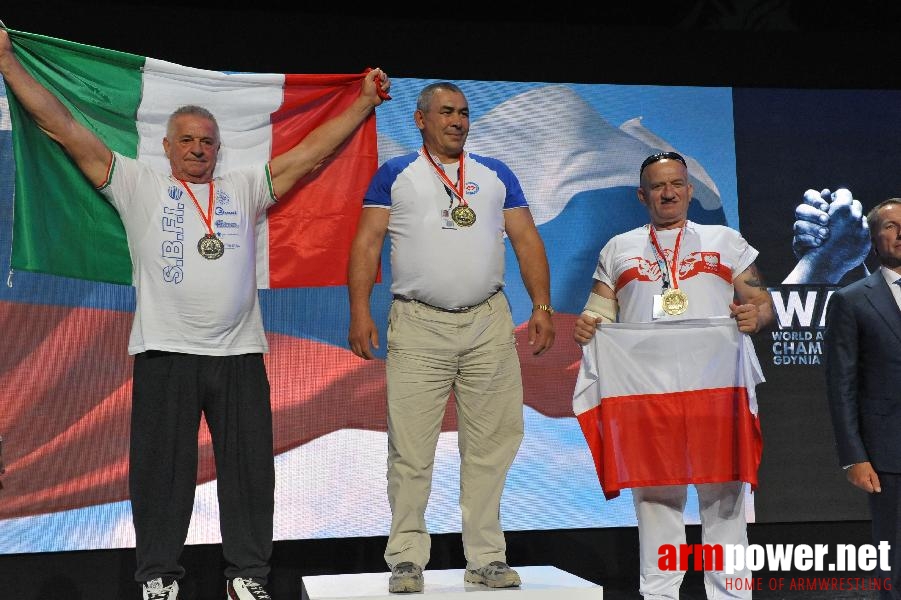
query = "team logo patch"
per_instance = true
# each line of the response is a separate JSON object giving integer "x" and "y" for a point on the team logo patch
{"x": 175, "y": 192}
{"x": 471, "y": 188}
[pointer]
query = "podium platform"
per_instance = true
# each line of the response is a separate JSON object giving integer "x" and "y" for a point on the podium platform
{"x": 538, "y": 583}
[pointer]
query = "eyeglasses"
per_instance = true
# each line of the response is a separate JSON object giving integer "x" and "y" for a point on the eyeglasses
{"x": 658, "y": 157}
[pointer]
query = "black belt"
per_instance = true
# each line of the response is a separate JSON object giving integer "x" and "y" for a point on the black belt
{"x": 461, "y": 309}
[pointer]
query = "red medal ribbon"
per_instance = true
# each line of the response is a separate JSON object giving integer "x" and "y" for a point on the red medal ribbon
{"x": 208, "y": 218}
{"x": 457, "y": 188}
{"x": 671, "y": 269}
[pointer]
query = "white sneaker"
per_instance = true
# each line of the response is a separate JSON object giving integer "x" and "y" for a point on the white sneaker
{"x": 245, "y": 588}
{"x": 155, "y": 590}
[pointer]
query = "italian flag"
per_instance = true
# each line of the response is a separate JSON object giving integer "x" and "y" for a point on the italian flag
{"x": 62, "y": 226}
{"x": 670, "y": 403}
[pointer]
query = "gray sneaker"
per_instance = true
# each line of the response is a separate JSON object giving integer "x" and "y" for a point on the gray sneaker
{"x": 495, "y": 575}
{"x": 155, "y": 590}
{"x": 405, "y": 577}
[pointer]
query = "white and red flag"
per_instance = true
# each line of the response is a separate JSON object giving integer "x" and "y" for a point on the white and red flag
{"x": 670, "y": 403}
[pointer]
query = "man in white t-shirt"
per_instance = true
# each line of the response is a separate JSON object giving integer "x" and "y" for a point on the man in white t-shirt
{"x": 197, "y": 333}
{"x": 675, "y": 269}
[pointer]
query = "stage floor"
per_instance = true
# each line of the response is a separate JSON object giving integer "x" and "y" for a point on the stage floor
{"x": 538, "y": 583}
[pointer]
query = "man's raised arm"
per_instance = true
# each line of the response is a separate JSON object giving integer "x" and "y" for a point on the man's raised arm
{"x": 86, "y": 149}
{"x": 312, "y": 152}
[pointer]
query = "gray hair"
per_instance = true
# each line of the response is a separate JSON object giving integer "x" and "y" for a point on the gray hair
{"x": 194, "y": 110}
{"x": 425, "y": 96}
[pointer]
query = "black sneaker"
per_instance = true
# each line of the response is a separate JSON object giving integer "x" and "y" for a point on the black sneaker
{"x": 155, "y": 590}
{"x": 405, "y": 577}
{"x": 245, "y": 588}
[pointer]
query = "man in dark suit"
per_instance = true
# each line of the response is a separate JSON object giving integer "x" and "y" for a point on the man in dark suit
{"x": 863, "y": 380}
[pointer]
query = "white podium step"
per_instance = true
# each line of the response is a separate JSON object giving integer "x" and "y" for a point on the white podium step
{"x": 538, "y": 583}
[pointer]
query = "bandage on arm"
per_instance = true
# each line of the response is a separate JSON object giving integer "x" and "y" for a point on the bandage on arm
{"x": 600, "y": 308}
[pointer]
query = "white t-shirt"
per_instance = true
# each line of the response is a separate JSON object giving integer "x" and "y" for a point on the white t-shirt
{"x": 434, "y": 260}
{"x": 710, "y": 256}
{"x": 185, "y": 302}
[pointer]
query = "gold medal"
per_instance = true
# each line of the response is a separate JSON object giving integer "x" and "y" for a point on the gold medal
{"x": 463, "y": 215}
{"x": 210, "y": 247}
{"x": 674, "y": 301}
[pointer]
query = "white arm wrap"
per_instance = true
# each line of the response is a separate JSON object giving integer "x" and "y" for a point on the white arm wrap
{"x": 601, "y": 308}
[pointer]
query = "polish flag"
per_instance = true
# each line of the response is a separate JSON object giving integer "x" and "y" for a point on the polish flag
{"x": 670, "y": 403}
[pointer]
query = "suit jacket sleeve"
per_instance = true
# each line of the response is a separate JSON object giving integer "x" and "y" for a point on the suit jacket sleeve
{"x": 841, "y": 368}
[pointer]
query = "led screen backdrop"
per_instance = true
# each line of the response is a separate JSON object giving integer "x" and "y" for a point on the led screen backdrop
{"x": 576, "y": 149}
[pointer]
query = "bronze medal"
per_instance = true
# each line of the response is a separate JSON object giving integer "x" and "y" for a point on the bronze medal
{"x": 210, "y": 247}
{"x": 674, "y": 301}
{"x": 463, "y": 215}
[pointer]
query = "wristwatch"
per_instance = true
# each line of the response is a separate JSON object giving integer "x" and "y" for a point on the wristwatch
{"x": 547, "y": 307}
